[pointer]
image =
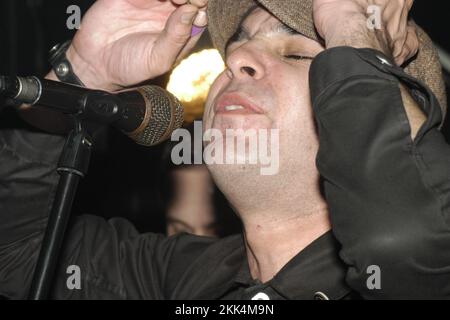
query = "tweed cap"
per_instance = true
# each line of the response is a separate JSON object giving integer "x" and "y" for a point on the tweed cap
{"x": 225, "y": 16}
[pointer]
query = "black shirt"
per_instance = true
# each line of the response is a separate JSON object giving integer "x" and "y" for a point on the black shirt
{"x": 389, "y": 200}
{"x": 316, "y": 272}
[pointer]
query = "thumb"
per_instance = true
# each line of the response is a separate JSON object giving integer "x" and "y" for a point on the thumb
{"x": 175, "y": 35}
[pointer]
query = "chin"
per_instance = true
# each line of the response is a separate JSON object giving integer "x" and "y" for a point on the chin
{"x": 244, "y": 122}
{"x": 235, "y": 176}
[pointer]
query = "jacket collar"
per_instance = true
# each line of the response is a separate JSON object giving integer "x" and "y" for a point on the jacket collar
{"x": 316, "y": 272}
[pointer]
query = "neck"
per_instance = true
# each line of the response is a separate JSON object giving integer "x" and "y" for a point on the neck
{"x": 273, "y": 240}
{"x": 281, "y": 214}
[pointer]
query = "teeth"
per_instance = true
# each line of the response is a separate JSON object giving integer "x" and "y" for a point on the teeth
{"x": 233, "y": 108}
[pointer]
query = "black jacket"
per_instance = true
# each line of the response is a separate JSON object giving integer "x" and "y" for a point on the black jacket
{"x": 389, "y": 202}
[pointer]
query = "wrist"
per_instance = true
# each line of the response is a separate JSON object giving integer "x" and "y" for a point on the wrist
{"x": 354, "y": 32}
{"x": 51, "y": 76}
{"x": 90, "y": 77}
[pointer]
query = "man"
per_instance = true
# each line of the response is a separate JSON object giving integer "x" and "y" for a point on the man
{"x": 382, "y": 158}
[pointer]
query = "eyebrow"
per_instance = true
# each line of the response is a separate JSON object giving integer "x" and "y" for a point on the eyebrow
{"x": 242, "y": 33}
{"x": 286, "y": 29}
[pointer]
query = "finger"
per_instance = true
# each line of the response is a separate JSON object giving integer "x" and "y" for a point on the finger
{"x": 141, "y": 4}
{"x": 410, "y": 4}
{"x": 397, "y": 18}
{"x": 412, "y": 42}
{"x": 410, "y": 47}
{"x": 188, "y": 47}
{"x": 404, "y": 28}
{"x": 197, "y": 3}
{"x": 175, "y": 35}
{"x": 202, "y": 19}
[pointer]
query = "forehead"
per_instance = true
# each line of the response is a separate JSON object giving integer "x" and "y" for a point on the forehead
{"x": 259, "y": 19}
{"x": 260, "y": 22}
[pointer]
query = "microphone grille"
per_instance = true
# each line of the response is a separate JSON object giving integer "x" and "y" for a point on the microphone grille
{"x": 164, "y": 114}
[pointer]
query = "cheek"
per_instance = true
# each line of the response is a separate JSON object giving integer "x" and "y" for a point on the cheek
{"x": 296, "y": 118}
{"x": 217, "y": 87}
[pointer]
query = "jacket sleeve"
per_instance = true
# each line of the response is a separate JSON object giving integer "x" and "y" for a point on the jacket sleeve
{"x": 112, "y": 260}
{"x": 389, "y": 196}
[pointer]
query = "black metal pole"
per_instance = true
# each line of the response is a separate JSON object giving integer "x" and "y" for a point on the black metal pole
{"x": 72, "y": 167}
{"x": 54, "y": 236}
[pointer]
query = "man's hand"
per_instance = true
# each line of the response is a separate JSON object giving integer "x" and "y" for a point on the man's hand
{"x": 344, "y": 23}
{"x": 124, "y": 42}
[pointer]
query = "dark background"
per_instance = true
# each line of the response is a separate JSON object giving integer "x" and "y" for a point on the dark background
{"x": 125, "y": 179}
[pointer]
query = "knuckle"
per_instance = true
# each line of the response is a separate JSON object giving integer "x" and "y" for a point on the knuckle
{"x": 177, "y": 38}
{"x": 199, "y": 3}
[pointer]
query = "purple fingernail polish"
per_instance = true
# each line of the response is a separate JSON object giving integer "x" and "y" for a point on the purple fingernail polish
{"x": 196, "y": 30}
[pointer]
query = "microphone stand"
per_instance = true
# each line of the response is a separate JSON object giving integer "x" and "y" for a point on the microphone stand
{"x": 73, "y": 165}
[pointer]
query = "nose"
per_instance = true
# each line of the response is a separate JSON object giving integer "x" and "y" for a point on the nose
{"x": 246, "y": 62}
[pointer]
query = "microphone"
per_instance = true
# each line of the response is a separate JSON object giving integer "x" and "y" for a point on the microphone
{"x": 148, "y": 114}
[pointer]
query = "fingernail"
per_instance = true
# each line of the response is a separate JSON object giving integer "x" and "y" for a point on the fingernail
{"x": 196, "y": 31}
{"x": 188, "y": 18}
{"x": 201, "y": 19}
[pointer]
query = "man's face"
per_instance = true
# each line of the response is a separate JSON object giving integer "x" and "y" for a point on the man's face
{"x": 267, "y": 76}
{"x": 265, "y": 69}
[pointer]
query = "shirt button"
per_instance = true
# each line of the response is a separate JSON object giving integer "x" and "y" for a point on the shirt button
{"x": 320, "y": 296}
{"x": 384, "y": 61}
{"x": 261, "y": 296}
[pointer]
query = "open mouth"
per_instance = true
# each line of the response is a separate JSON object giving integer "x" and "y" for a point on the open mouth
{"x": 234, "y": 103}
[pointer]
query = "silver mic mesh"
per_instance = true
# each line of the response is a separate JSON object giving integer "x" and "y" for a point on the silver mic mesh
{"x": 164, "y": 115}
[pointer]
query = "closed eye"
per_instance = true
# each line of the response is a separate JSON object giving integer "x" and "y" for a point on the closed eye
{"x": 298, "y": 57}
